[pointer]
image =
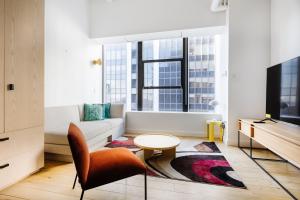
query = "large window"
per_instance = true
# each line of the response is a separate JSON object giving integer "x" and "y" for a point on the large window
{"x": 161, "y": 75}
{"x": 160, "y": 64}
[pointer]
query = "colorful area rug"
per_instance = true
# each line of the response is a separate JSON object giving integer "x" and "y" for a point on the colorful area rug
{"x": 195, "y": 161}
{"x": 127, "y": 142}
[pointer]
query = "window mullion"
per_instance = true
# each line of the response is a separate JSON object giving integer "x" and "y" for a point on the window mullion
{"x": 140, "y": 77}
{"x": 184, "y": 76}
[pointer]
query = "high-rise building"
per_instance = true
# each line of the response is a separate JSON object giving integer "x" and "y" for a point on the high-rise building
{"x": 201, "y": 73}
{"x": 121, "y": 64}
{"x": 134, "y": 69}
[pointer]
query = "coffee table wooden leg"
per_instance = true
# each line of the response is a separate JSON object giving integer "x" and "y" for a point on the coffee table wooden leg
{"x": 169, "y": 152}
{"x": 148, "y": 153}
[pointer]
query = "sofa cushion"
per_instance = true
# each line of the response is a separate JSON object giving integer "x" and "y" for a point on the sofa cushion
{"x": 81, "y": 112}
{"x": 60, "y": 117}
{"x": 90, "y": 130}
{"x": 117, "y": 111}
{"x": 93, "y": 128}
{"x": 57, "y": 135}
{"x": 93, "y": 112}
{"x": 115, "y": 122}
{"x": 106, "y": 110}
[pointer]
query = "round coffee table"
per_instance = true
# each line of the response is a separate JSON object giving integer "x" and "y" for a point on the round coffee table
{"x": 165, "y": 143}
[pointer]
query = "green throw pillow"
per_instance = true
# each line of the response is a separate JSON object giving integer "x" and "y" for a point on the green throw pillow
{"x": 106, "y": 110}
{"x": 93, "y": 112}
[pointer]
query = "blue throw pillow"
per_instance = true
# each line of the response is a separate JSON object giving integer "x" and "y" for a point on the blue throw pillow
{"x": 106, "y": 110}
{"x": 93, "y": 112}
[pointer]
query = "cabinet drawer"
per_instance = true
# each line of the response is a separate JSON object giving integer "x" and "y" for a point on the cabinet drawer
{"x": 246, "y": 129}
{"x": 5, "y": 147}
{"x": 284, "y": 148}
{"x": 20, "y": 142}
{"x": 5, "y": 173}
{"x": 19, "y": 167}
{"x": 25, "y": 140}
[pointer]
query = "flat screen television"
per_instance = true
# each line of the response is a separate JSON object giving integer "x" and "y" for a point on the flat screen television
{"x": 283, "y": 91}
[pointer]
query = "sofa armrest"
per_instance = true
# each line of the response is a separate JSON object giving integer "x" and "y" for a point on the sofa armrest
{"x": 117, "y": 111}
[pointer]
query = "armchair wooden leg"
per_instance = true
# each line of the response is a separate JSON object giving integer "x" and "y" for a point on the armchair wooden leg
{"x": 74, "y": 182}
{"x": 145, "y": 185}
{"x": 82, "y": 193}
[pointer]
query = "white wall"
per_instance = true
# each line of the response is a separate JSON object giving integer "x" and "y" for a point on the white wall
{"x": 249, "y": 56}
{"x": 285, "y": 30}
{"x": 183, "y": 124}
{"x": 69, "y": 76}
{"x": 126, "y": 17}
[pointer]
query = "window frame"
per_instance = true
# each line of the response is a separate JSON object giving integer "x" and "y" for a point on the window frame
{"x": 184, "y": 75}
{"x": 187, "y": 99}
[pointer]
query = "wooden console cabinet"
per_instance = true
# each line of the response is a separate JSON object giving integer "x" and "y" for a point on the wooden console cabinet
{"x": 21, "y": 89}
{"x": 281, "y": 138}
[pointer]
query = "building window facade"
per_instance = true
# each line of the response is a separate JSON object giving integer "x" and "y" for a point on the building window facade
{"x": 162, "y": 80}
{"x": 202, "y": 68}
{"x": 115, "y": 84}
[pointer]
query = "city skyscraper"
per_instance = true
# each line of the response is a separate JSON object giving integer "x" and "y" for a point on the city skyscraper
{"x": 121, "y": 74}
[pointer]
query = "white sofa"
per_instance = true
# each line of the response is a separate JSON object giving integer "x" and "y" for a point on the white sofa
{"x": 97, "y": 133}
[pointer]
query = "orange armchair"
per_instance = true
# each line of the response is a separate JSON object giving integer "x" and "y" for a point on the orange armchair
{"x": 104, "y": 166}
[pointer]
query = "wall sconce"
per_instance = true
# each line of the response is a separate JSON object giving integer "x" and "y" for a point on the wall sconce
{"x": 97, "y": 62}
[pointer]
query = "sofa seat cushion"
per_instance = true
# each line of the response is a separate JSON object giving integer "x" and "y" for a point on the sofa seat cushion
{"x": 57, "y": 135}
{"x": 90, "y": 129}
{"x": 115, "y": 122}
{"x": 60, "y": 117}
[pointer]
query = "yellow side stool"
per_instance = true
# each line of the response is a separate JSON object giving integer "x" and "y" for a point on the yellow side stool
{"x": 211, "y": 129}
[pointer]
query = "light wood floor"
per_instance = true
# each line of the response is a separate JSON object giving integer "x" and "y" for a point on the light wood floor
{"x": 54, "y": 182}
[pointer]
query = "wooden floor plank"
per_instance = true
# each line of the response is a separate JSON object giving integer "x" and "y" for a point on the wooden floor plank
{"x": 54, "y": 182}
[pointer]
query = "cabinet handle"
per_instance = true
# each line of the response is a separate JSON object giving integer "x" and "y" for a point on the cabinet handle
{"x": 4, "y": 166}
{"x": 4, "y": 139}
{"x": 11, "y": 87}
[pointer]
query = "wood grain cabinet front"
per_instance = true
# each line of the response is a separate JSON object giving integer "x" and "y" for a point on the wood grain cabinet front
{"x": 16, "y": 143}
{"x": 21, "y": 89}
{"x": 21, "y": 154}
{"x": 5, "y": 147}
{"x": 18, "y": 167}
{"x": 1, "y": 66}
{"x": 245, "y": 128}
{"x": 5, "y": 173}
{"x": 282, "y": 147}
{"x": 24, "y": 64}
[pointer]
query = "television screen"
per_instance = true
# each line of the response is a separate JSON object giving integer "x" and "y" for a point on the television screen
{"x": 283, "y": 91}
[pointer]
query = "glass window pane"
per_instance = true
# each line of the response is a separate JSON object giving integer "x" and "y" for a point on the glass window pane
{"x": 115, "y": 59}
{"x": 148, "y": 100}
{"x": 134, "y": 70}
{"x": 162, "y": 49}
{"x": 162, "y": 74}
{"x": 169, "y": 100}
{"x": 201, "y": 73}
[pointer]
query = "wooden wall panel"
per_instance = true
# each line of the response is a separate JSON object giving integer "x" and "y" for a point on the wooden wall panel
{"x": 24, "y": 63}
{"x": 1, "y": 66}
